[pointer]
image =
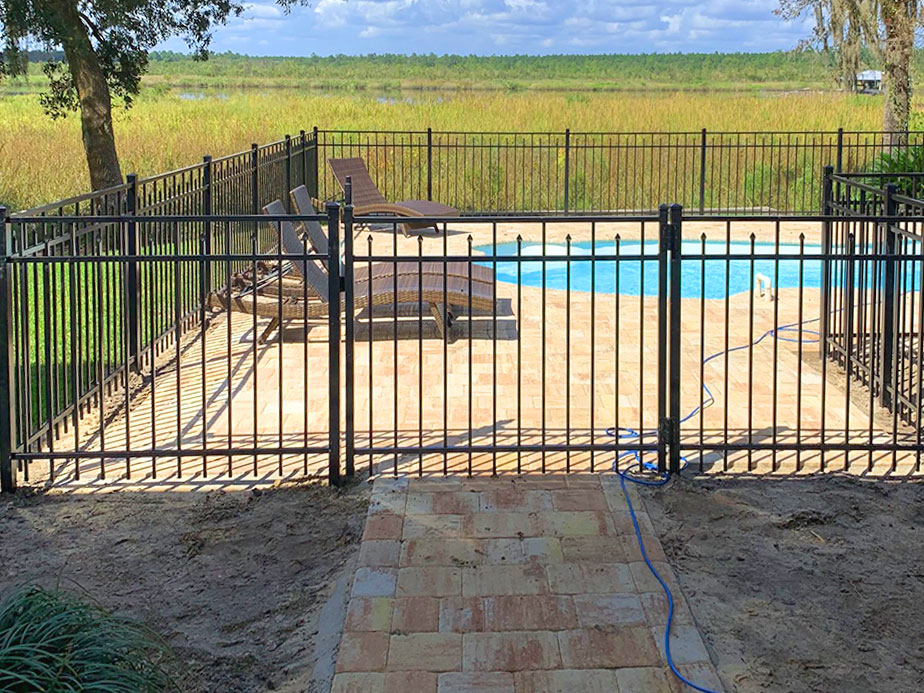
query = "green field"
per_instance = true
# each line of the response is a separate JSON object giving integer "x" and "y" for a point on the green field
{"x": 188, "y": 109}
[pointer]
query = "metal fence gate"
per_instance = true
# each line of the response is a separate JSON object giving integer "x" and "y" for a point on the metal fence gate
{"x": 587, "y": 344}
{"x": 465, "y": 374}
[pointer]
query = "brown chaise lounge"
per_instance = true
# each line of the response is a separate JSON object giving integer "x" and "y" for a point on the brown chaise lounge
{"x": 314, "y": 231}
{"x": 368, "y": 199}
{"x": 282, "y": 305}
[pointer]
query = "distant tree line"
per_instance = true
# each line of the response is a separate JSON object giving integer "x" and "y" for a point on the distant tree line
{"x": 699, "y": 68}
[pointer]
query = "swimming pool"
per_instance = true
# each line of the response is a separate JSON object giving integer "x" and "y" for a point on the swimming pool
{"x": 632, "y": 278}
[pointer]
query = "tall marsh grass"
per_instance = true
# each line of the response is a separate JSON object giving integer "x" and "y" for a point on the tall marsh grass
{"x": 42, "y": 160}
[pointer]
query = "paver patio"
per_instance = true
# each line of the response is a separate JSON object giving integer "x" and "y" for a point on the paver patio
{"x": 511, "y": 585}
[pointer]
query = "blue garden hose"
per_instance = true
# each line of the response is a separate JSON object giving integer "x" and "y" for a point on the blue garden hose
{"x": 662, "y": 479}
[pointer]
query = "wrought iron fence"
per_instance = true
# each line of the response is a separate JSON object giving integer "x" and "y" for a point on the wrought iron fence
{"x": 873, "y": 315}
{"x": 550, "y": 343}
{"x": 80, "y": 398}
{"x": 132, "y": 326}
{"x": 79, "y": 322}
{"x": 613, "y": 342}
{"x": 580, "y": 172}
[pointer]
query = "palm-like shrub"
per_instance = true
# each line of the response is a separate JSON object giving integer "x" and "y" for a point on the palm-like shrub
{"x": 53, "y": 641}
{"x": 900, "y": 162}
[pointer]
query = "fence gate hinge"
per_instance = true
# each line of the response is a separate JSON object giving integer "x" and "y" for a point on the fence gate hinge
{"x": 669, "y": 432}
{"x": 666, "y": 430}
{"x": 670, "y": 238}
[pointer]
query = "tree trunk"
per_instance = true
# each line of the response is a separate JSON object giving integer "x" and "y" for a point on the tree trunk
{"x": 93, "y": 95}
{"x": 899, "y": 18}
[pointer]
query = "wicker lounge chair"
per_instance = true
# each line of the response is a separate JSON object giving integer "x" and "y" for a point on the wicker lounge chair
{"x": 301, "y": 203}
{"x": 368, "y": 199}
{"x": 281, "y": 306}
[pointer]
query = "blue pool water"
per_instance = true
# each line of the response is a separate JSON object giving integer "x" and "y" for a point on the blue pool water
{"x": 633, "y": 279}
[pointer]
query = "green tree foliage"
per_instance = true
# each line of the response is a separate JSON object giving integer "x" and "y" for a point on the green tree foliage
{"x": 886, "y": 27}
{"x": 842, "y": 28}
{"x": 703, "y": 70}
{"x": 105, "y": 44}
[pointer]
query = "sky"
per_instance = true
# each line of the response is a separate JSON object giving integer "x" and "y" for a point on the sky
{"x": 493, "y": 27}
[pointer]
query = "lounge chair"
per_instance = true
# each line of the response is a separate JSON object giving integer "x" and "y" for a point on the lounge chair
{"x": 436, "y": 291}
{"x": 368, "y": 199}
{"x": 301, "y": 203}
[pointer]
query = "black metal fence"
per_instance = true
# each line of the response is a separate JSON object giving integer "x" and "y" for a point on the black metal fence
{"x": 651, "y": 343}
{"x": 873, "y": 313}
{"x": 548, "y": 343}
{"x": 80, "y": 323}
{"x": 112, "y": 361}
{"x": 580, "y": 172}
{"x": 131, "y": 321}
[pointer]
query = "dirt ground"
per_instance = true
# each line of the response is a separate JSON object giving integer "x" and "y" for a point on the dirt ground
{"x": 802, "y": 585}
{"x": 234, "y": 581}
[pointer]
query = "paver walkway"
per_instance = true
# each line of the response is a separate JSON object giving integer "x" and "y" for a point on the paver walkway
{"x": 511, "y": 585}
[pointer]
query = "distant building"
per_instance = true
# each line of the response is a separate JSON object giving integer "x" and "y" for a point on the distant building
{"x": 869, "y": 81}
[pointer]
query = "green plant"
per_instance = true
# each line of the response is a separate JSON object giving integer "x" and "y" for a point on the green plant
{"x": 53, "y": 641}
{"x": 901, "y": 161}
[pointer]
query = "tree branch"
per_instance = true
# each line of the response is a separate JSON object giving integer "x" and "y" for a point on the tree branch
{"x": 92, "y": 27}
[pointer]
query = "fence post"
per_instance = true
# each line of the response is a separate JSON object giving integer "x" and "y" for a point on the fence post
{"x": 429, "y": 163}
{"x": 840, "y": 151}
{"x": 567, "y": 164}
{"x": 254, "y": 179}
{"x": 839, "y": 160}
{"x": 131, "y": 279}
{"x": 255, "y": 193}
{"x": 303, "y": 141}
{"x": 317, "y": 169}
{"x": 889, "y": 314}
{"x": 7, "y": 360}
{"x": 287, "y": 196}
{"x": 827, "y": 211}
{"x": 333, "y": 366}
{"x": 676, "y": 226}
{"x": 349, "y": 300}
{"x": 206, "y": 226}
{"x": 663, "y": 422}
{"x": 348, "y": 190}
{"x": 702, "y": 173}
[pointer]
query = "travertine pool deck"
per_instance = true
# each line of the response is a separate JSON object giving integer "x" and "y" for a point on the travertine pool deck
{"x": 531, "y": 585}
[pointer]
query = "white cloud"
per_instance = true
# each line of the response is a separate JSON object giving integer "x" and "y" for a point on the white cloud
{"x": 525, "y": 5}
{"x": 263, "y": 10}
{"x": 514, "y": 26}
{"x": 673, "y": 22}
